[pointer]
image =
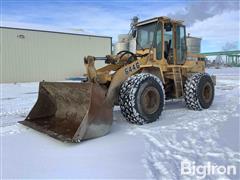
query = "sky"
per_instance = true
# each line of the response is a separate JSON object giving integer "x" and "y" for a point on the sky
{"x": 216, "y": 22}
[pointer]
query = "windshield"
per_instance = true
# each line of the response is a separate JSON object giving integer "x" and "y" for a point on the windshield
{"x": 145, "y": 37}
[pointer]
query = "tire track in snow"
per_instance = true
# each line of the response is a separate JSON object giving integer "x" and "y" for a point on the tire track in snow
{"x": 194, "y": 137}
{"x": 21, "y": 112}
{"x": 16, "y": 109}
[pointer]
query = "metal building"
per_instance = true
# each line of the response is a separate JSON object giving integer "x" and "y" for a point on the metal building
{"x": 34, "y": 55}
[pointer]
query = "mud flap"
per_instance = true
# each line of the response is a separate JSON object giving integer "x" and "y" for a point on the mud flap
{"x": 70, "y": 111}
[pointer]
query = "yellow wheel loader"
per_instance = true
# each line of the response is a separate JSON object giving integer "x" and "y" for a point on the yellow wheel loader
{"x": 138, "y": 82}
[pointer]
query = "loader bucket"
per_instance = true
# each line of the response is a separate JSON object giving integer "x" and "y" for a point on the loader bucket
{"x": 70, "y": 111}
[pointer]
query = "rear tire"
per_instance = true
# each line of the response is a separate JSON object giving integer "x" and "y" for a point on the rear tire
{"x": 199, "y": 91}
{"x": 142, "y": 98}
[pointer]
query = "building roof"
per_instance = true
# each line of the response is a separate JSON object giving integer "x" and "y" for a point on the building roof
{"x": 163, "y": 18}
{"x": 57, "y": 32}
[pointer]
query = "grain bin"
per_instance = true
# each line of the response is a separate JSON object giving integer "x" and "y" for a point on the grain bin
{"x": 121, "y": 46}
{"x": 193, "y": 44}
{"x": 132, "y": 45}
{"x": 123, "y": 38}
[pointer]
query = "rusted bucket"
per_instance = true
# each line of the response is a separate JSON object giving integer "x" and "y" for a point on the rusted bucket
{"x": 70, "y": 111}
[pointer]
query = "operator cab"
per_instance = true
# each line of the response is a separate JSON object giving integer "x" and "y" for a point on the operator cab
{"x": 166, "y": 36}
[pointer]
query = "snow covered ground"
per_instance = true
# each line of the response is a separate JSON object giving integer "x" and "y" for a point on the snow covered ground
{"x": 151, "y": 151}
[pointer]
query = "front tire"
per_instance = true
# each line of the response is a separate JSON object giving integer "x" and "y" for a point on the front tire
{"x": 142, "y": 98}
{"x": 199, "y": 91}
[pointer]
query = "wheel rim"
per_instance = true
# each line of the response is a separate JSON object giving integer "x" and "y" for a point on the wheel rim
{"x": 150, "y": 100}
{"x": 207, "y": 92}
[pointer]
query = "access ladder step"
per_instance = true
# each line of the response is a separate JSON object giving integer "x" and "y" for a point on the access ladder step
{"x": 177, "y": 76}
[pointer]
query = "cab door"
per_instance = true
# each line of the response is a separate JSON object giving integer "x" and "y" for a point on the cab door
{"x": 181, "y": 48}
